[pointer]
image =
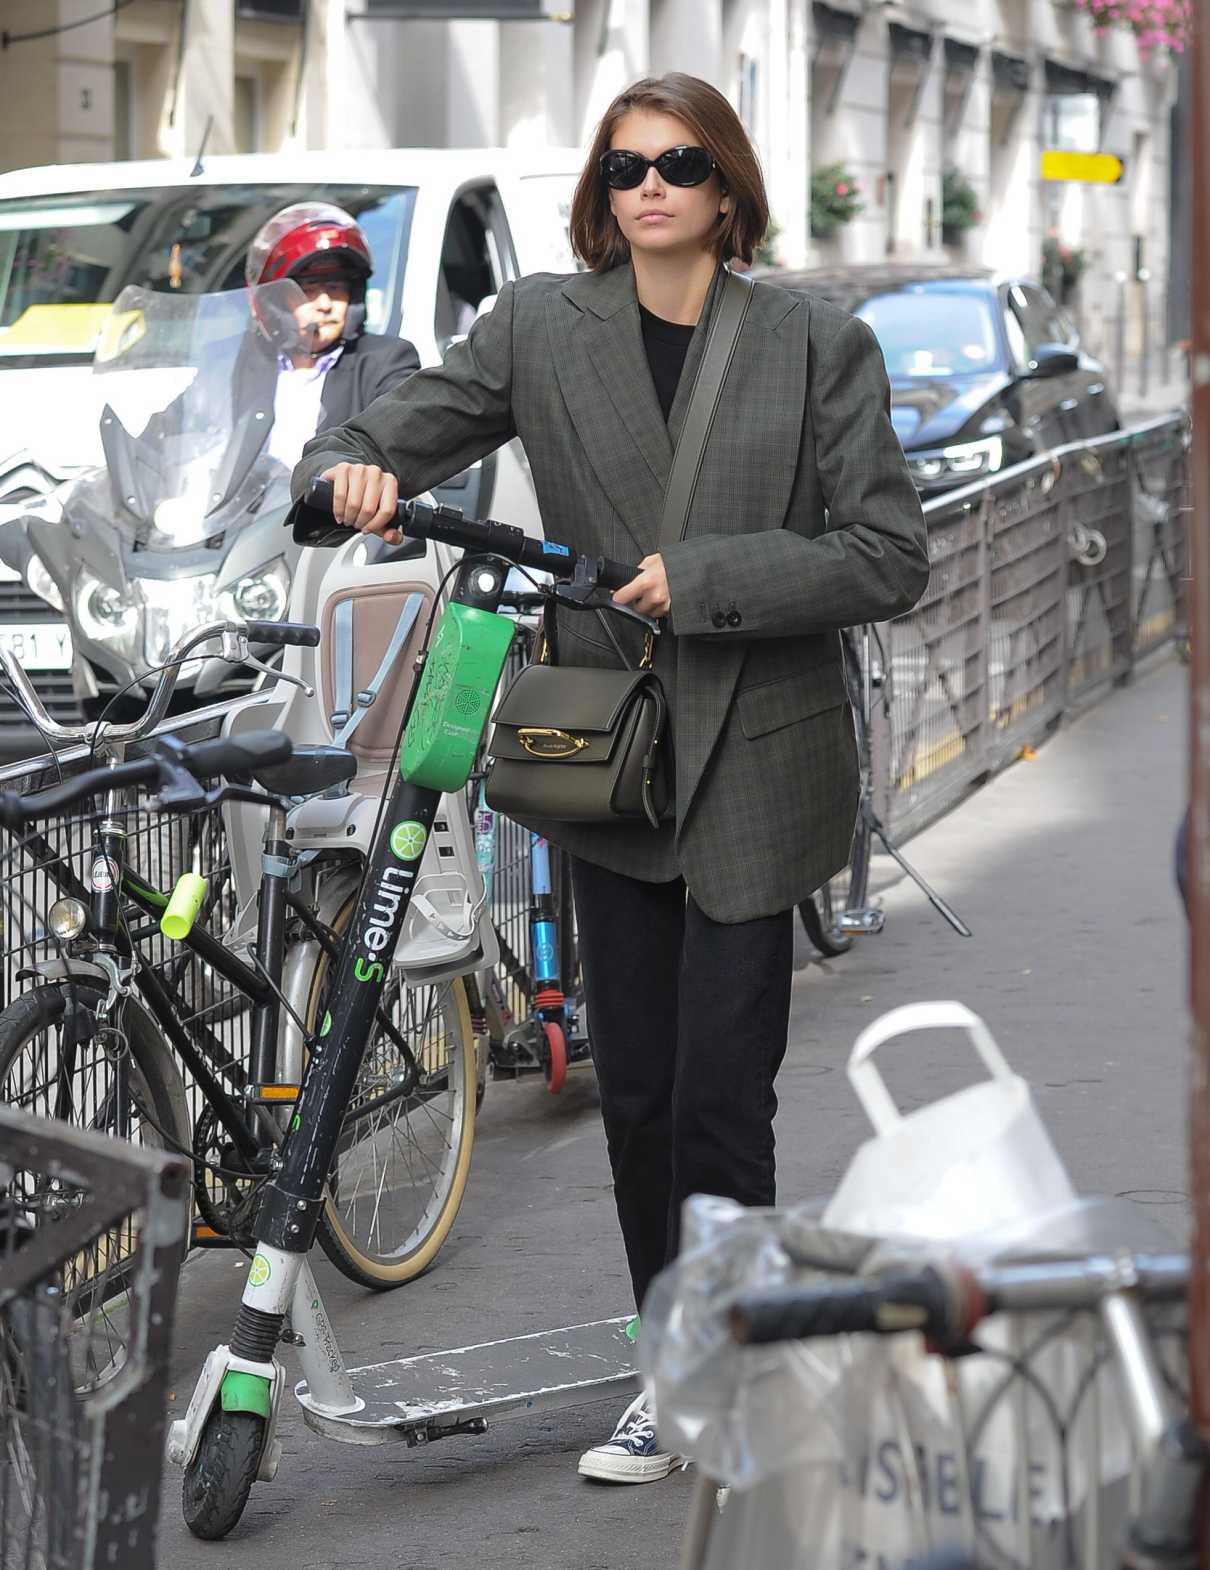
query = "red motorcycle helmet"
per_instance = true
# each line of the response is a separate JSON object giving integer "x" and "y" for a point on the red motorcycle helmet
{"x": 310, "y": 237}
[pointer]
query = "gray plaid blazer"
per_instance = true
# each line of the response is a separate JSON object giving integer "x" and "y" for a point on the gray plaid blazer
{"x": 805, "y": 520}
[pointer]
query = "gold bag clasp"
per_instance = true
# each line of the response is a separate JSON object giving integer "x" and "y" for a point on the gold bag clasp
{"x": 543, "y": 741}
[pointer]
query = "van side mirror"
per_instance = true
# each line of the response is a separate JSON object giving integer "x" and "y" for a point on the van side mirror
{"x": 1051, "y": 359}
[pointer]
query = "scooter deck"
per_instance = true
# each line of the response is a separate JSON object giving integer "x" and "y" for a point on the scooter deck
{"x": 418, "y": 1399}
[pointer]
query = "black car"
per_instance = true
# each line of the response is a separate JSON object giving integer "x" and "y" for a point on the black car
{"x": 985, "y": 370}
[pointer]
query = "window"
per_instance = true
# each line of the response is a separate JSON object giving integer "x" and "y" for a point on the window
{"x": 247, "y": 114}
{"x": 746, "y": 93}
{"x": 933, "y": 332}
{"x": 476, "y": 258}
{"x": 64, "y": 259}
{"x": 122, "y": 111}
{"x": 1038, "y": 319}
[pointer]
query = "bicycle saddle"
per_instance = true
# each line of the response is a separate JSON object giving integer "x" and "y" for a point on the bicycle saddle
{"x": 309, "y": 772}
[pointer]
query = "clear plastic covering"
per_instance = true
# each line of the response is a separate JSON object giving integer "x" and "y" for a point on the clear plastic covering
{"x": 185, "y": 418}
{"x": 865, "y": 1451}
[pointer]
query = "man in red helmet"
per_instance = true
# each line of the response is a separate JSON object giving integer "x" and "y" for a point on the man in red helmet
{"x": 321, "y": 367}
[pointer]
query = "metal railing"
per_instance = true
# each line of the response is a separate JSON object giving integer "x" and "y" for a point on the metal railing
{"x": 1049, "y": 581}
{"x": 80, "y": 1458}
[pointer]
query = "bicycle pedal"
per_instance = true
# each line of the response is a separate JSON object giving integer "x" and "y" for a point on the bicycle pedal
{"x": 271, "y": 1095}
{"x": 862, "y": 923}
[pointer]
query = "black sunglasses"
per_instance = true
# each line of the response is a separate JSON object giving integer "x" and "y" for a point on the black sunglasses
{"x": 678, "y": 166}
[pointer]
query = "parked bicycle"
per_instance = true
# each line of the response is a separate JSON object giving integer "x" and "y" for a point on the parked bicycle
{"x": 113, "y": 1014}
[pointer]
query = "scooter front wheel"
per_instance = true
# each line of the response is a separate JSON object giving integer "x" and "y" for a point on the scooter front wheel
{"x": 220, "y": 1477}
{"x": 556, "y": 1057}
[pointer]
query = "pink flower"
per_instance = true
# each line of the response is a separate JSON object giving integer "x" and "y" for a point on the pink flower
{"x": 842, "y": 189}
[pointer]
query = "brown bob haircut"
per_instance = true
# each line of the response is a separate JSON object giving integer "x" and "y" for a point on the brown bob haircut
{"x": 595, "y": 236}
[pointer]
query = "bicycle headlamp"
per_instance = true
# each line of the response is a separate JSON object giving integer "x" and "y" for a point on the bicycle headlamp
{"x": 67, "y": 919}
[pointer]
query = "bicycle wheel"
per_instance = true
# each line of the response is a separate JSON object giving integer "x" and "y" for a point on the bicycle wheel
{"x": 405, "y": 1150}
{"x": 54, "y": 1063}
{"x": 820, "y": 914}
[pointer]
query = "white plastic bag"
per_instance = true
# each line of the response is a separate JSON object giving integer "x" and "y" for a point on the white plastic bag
{"x": 972, "y": 1160}
{"x": 858, "y": 1451}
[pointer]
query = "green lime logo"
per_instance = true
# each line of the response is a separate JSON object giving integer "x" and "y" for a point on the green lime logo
{"x": 326, "y": 1026}
{"x": 260, "y": 1272}
{"x": 407, "y": 840}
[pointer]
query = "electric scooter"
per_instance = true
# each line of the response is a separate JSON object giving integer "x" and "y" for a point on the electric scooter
{"x": 226, "y": 1441}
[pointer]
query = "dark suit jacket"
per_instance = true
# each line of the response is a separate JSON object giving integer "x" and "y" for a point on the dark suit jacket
{"x": 369, "y": 366}
{"x": 805, "y": 520}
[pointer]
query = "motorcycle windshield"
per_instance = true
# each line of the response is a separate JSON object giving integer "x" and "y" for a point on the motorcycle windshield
{"x": 187, "y": 385}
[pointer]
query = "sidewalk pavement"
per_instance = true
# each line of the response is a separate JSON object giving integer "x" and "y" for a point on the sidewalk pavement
{"x": 1062, "y": 866}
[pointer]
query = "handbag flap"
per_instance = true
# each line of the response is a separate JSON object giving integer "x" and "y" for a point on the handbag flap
{"x": 569, "y": 697}
{"x": 568, "y": 714}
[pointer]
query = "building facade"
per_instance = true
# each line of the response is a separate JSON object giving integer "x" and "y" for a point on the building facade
{"x": 893, "y": 101}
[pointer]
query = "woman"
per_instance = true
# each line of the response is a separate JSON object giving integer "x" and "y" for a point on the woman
{"x": 804, "y": 520}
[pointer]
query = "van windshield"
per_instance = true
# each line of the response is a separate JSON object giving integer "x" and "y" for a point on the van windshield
{"x": 65, "y": 259}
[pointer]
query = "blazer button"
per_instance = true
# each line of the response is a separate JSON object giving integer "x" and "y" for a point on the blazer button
{"x": 719, "y": 619}
{"x": 734, "y": 618}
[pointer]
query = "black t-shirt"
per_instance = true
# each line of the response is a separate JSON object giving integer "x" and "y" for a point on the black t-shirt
{"x": 666, "y": 344}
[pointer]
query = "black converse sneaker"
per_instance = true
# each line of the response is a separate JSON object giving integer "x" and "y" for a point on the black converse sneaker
{"x": 633, "y": 1455}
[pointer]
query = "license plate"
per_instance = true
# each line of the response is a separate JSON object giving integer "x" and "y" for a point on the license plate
{"x": 37, "y": 645}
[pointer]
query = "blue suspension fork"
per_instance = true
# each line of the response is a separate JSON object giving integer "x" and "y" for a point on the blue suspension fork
{"x": 544, "y": 936}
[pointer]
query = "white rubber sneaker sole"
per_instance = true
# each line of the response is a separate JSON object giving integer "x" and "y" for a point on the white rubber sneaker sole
{"x": 606, "y": 1468}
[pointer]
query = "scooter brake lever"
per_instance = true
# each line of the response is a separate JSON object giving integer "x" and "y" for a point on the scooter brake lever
{"x": 584, "y": 596}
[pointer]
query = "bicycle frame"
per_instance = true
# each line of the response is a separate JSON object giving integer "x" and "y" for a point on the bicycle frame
{"x": 109, "y": 878}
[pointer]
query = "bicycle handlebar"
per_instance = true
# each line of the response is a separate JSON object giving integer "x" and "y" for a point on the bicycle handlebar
{"x": 297, "y": 633}
{"x": 947, "y": 1299}
{"x": 234, "y": 635}
{"x": 450, "y": 526}
{"x": 200, "y": 760}
{"x": 879, "y": 1307}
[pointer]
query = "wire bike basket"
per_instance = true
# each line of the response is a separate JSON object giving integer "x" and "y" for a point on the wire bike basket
{"x": 82, "y": 1430}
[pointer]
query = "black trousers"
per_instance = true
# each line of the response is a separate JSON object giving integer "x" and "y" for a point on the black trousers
{"x": 688, "y": 1019}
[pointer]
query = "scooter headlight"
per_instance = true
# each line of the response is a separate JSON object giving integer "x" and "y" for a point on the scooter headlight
{"x": 101, "y": 611}
{"x": 261, "y": 596}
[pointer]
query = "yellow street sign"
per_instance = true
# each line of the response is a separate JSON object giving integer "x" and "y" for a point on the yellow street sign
{"x": 1088, "y": 168}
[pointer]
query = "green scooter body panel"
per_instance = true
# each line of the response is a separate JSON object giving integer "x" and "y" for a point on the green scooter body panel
{"x": 456, "y": 690}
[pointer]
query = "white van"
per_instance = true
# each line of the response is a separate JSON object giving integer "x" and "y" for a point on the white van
{"x": 447, "y": 228}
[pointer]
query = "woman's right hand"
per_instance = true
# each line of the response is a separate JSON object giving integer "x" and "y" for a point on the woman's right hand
{"x": 364, "y": 497}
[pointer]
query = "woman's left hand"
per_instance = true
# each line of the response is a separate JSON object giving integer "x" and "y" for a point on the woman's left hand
{"x": 649, "y": 591}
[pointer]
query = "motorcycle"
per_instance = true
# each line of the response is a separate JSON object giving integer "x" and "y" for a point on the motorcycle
{"x": 183, "y": 523}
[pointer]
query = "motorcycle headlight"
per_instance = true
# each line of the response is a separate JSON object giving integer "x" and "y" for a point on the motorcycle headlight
{"x": 101, "y": 611}
{"x": 261, "y": 596}
{"x": 173, "y": 607}
{"x": 42, "y": 584}
{"x": 964, "y": 460}
{"x": 180, "y": 520}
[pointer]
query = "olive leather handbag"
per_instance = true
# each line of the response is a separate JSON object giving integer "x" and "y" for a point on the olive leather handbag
{"x": 573, "y": 743}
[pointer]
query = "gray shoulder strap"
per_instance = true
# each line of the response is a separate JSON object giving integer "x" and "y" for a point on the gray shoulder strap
{"x": 703, "y": 402}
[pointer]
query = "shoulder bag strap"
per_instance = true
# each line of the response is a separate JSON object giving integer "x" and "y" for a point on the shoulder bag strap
{"x": 703, "y": 402}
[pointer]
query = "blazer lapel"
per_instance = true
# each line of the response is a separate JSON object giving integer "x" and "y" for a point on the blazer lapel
{"x": 597, "y": 347}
